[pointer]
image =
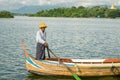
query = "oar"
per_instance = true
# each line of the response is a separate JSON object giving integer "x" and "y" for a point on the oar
{"x": 73, "y": 74}
{"x": 48, "y": 52}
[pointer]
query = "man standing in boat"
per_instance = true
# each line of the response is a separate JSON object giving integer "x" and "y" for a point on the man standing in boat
{"x": 41, "y": 42}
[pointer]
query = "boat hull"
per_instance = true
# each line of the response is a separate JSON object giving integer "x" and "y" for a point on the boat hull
{"x": 46, "y": 67}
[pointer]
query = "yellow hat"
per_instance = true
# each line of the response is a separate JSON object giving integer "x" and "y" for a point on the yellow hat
{"x": 42, "y": 25}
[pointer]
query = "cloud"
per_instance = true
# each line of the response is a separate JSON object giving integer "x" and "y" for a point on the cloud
{"x": 29, "y": 2}
{"x": 93, "y": 2}
{"x": 7, "y": 4}
{"x": 78, "y": 2}
{"x": 54, "y": 2}
{"x": 119, "y": 2}
{"x": 13, "y": 4}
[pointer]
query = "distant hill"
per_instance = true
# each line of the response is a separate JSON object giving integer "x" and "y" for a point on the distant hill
{"x": 34, "y": 9}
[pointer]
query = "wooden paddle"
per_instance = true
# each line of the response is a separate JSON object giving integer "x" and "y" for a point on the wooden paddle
{"x": 73, "y": 74}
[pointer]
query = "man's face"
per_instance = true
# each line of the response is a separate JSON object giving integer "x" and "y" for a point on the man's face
{"x": 43, "y": 29}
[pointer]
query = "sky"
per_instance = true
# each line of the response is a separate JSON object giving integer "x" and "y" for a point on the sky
{"x": 15, "y": 4}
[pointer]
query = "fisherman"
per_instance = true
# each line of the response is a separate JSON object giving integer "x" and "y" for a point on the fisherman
{"x": 41, "y": 42}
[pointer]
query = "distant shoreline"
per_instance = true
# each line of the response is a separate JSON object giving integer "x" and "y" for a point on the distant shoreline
{"x": 66, "y": 17}
{"x": 79, "y": 12}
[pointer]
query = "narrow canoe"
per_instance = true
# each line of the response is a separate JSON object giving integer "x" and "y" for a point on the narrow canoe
{"x": 82, "y": 67}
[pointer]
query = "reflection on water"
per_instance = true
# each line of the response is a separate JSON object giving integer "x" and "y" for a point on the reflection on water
{"x": 43, "y": 77}
{"x": 48, "y": 77}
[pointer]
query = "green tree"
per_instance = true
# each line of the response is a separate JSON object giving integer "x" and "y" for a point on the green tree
{"x": 5, "y": 14}
{"x": 112, "y": 13}
{"x": 80, "y": 11}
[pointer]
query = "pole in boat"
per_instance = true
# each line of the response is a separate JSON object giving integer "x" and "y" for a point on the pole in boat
{"x": 48, "y": 51}
{"x": 73, "y": 74}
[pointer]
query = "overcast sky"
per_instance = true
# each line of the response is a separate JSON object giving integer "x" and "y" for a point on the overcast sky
{"x": 14, "y": 4}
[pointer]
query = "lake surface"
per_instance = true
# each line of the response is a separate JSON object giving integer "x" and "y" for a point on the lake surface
{"x": 84, "y": 38}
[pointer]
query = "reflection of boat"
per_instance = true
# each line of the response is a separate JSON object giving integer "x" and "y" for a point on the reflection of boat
{"x": 48, "y": 77}
{"x": 82, "y": 67}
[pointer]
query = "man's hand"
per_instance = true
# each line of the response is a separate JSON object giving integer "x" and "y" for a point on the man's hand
{"x": 46, "y": 44}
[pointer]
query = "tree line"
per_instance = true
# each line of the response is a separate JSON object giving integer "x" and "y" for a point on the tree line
{"x": 6, "y": 14}
{"x": 96, "y": 11}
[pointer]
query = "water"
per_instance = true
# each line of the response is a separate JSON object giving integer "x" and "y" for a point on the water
{"x": 85, "y": 38}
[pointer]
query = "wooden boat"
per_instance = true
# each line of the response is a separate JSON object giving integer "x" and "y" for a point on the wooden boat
{"x": 82, "y": 67}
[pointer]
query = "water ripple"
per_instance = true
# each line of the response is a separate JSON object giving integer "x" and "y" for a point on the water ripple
{"x": 67, "y": 37}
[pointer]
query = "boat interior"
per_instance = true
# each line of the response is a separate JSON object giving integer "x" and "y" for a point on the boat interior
{"x": 84, "y": 61}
